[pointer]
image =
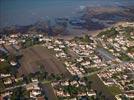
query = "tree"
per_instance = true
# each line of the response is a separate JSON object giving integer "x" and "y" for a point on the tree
{"x": 86, "y": 38}
{"x": 52, "y": 75}
{"x": 19, "y": 94}
{"x": 72, "y": 90}
{"x": 41, "y": 69}
{"x": 45, "y": 74}
{"x": 1, "y": 86}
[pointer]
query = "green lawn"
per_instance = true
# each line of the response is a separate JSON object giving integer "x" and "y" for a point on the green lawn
{"x": 125, "y": 57}
{"x": 108, "y": 33}
{"x": 90, "y": 70}
{"x": 114, "y": 90}
{"x": 46, "y": 82}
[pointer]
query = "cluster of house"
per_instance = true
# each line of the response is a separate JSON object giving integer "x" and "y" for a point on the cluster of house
{"x": 33, "y": 90}
{"x": 72, "y": 89}
{"x": 125, "y": 43}
{"x": 12, "y": 39}
{"x": 79, "y": 58}
{"x": 57, "y": 45}
{"x": 80, "y": 66}
{"x": 122, "y": 42}
{"x": 77, "y": 65}
{"x": 16, "y": 40}
{"x": 122, "y": 76}
{"x": 8, "y": 81}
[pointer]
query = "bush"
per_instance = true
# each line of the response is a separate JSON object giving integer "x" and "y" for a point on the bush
{"x": 4, "y": 67}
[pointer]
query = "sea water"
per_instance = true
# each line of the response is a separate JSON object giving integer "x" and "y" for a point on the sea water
{"x": 24, "y": 12}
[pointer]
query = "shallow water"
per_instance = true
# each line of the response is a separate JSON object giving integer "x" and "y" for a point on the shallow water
{"x": 23, "y": 12}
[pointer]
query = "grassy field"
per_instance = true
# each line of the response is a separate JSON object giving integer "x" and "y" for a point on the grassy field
{"x": 114, "y": 90}
{"x": 37, "y": 55}
{"x": 98, "y": 85}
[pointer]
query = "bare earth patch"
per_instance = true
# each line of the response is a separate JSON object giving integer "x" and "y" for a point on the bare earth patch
{"x": 38, "y": 55}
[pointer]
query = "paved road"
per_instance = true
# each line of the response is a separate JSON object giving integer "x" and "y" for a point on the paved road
{"x": 14, "y": 87}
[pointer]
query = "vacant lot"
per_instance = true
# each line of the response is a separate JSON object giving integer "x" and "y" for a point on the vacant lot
{"x": 98, "y": 85}
{"x": 48, "y": 90}
{"x": 37, "y": 55}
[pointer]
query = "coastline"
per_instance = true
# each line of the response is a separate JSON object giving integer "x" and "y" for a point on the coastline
{"x": 92, "y": 21}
